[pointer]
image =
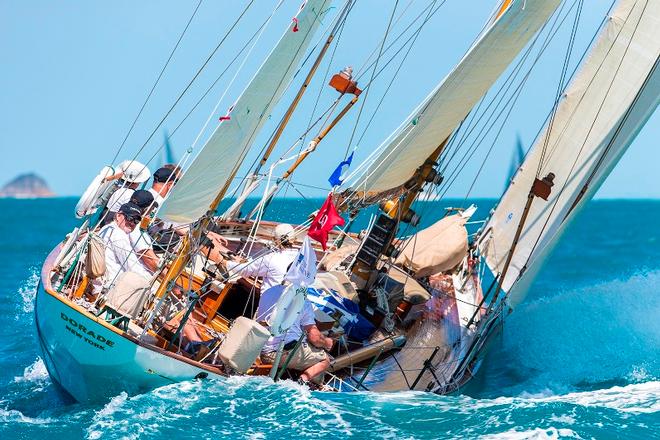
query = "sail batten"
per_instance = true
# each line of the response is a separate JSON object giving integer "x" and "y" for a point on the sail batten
{"x": 225, "y": 150}
{"x": 607, "y": 102}
{"x": 511, "y": 28}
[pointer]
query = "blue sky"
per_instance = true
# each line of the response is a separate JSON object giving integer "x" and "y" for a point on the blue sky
{"x": 75, "y": 74}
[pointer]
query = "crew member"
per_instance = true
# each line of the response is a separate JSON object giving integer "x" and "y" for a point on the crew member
{"x": 272, "y": 267}
{"x": 164, "y": 180}
{"x": 141, "y": 240}
{"x": 120, "y": 256}
{"x": 132, "y": 174}
{"x": 310, "y": 356}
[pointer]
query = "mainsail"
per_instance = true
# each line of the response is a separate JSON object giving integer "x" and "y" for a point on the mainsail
{"x": 224, "y": 152}
{"x": 442, "y": 111}
{"x": 609, "y": 99}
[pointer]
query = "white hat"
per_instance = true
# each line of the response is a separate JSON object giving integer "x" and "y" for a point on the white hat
{"x": 283, "y": 230}
{"x": 134, "y": 171}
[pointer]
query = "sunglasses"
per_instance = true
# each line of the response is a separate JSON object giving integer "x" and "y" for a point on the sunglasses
{"x": 132, "y": 221}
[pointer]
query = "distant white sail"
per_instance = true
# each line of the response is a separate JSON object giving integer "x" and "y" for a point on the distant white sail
{"x": 612, "y": 95}
{"x": 437, "y": 117}
{"x": 226, "y": 149}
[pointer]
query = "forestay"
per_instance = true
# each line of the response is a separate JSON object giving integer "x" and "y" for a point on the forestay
{"x": 442, "y": 111}
{"x": 219, "y": 159}
{"x": 612, "y": 95}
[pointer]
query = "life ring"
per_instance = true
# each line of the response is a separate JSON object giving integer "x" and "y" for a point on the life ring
{"x": 287, "y": 309}
{"x": 87, "y": 203}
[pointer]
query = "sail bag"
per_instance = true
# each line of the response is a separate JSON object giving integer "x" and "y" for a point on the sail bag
{"x": 95, "y": 262}
{"x": 438, "y": 248}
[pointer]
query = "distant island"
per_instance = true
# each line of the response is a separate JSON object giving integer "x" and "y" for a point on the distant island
{"x": 26, "y": 186}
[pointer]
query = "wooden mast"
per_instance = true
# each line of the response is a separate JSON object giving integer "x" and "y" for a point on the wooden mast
{"x": 183, "y": 256}
{"x": 314, "y": 143}
{"x": 400, "y": 208}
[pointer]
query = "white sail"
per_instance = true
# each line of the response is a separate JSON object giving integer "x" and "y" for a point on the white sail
{"x": 442, "y": 111}
{"x": 609, "y": 99}
{"x": 226, "y": 149}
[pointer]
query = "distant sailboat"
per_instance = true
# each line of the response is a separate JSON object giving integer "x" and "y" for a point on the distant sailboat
{"x": 517, "y": 158}
{"x": 168, "y": 152}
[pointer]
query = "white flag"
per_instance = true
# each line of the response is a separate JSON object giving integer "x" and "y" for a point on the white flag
{"x": 303, "y": 269}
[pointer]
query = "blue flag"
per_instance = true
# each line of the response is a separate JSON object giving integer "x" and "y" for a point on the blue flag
{"x": 339, "y": 174}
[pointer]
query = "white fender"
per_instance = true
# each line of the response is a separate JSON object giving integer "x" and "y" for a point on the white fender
{"x": 287, "y": 309}
{"x": 87, "y": 203}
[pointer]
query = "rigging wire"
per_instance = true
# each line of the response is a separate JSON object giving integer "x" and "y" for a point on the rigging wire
{"x": 398, "y": 69}
{"x": 560, "y": 85}
{"x": 199, "y": 71}
{"x": 441, "y": 190}
{"x": 160, "y": 75}
{"x": 373, "y": 73}
{"x": 554, "y": 29}
{"x": 579, "y": 153}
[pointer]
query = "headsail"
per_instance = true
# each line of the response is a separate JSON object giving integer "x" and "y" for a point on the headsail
{"x": 227, "y": 147}
{"x": 442, "y": 111}
{"x": 612, "y": 95}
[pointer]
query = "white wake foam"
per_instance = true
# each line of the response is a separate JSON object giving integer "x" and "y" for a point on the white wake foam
{"x": 550, "y": 433}
{"x": 36, "y": 372}
{"x": 27, "y": 292}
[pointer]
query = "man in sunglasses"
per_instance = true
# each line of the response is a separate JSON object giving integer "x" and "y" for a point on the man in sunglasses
{"x": 120, "y": 255}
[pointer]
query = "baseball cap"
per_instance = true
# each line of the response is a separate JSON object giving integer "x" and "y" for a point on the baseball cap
{"x": 142, "y": 198}
{"x": 134, "y": 171}
{"x": 163, "y": 175}
{"x": 283, "y": 230}
{"x": 131, "y": 211}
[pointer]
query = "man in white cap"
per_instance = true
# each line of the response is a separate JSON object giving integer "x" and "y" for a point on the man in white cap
{"x": 273, "y": 266}
{"x": 132, "y": 175}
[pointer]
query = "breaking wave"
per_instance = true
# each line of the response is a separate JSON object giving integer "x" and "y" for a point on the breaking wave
{"x": 583, "y": 338}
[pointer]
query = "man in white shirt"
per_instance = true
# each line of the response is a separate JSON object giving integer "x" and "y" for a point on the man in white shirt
{"x": 131, "y": 174}
{"x": 141, "y": 240}
{"x": 272, "y": 267}
{"x": 120, "y": 256}
{"x": 310, "y": 356}
{"x": 164, "y": 180}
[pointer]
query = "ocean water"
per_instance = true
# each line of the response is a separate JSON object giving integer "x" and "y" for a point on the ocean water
{"x": 580, "y": 358}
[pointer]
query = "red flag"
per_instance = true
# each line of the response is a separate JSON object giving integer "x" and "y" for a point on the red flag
{"x": 326, "y": 219}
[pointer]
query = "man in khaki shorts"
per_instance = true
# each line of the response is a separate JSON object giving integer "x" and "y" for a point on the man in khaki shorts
{"x": 310, "y": 356}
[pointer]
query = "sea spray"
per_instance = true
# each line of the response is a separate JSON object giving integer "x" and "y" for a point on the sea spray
{"x": 27, "y": 292}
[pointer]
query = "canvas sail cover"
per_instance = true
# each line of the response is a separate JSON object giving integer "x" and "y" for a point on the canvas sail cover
{"x": 442, "y": 111}
{"x": 438, "y": 248}
{"x": 226, "y": 148}
{"x": 609, "y": 99}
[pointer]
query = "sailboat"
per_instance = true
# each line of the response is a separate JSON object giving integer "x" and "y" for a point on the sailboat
{"x": 430, "y": 299}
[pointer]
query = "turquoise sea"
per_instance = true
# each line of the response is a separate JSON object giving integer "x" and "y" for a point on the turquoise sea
{"x": 580, "y": 358}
